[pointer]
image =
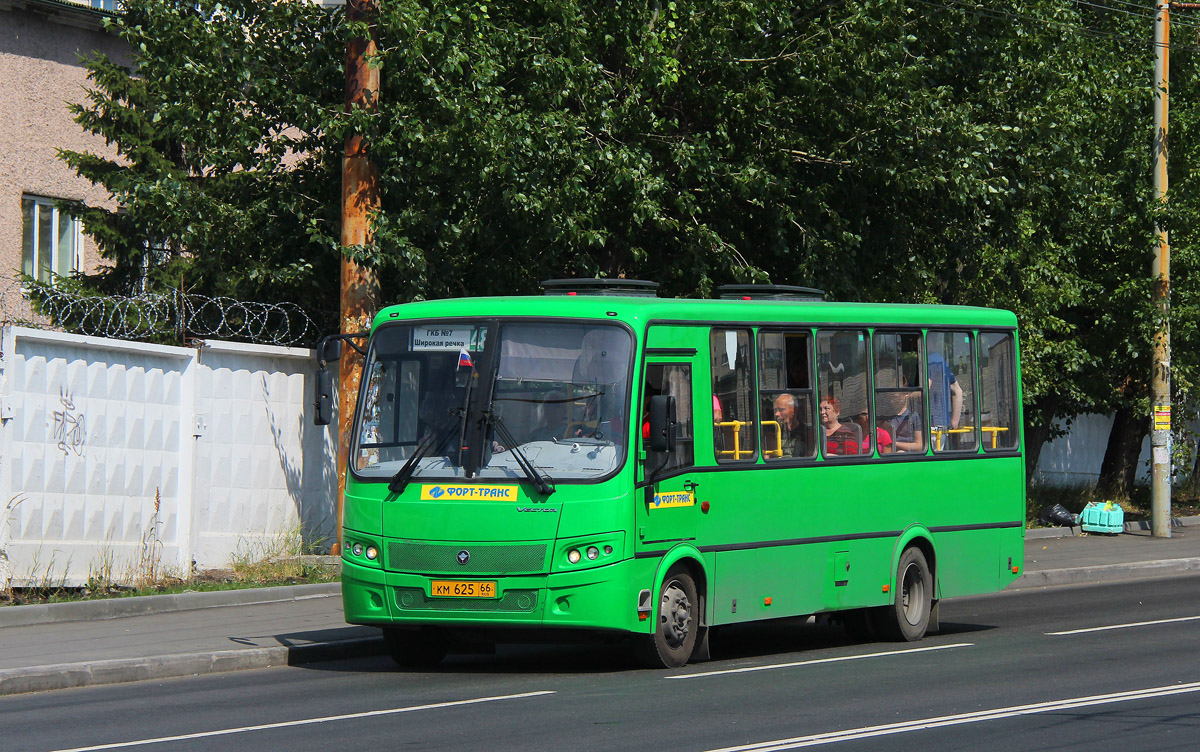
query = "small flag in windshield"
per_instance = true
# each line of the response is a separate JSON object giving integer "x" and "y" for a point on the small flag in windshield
{"x": 464, "y": 359}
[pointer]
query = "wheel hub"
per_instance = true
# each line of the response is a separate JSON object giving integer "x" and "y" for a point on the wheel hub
{"x": 912, "y": 594}
{"x": 675, "y": 615}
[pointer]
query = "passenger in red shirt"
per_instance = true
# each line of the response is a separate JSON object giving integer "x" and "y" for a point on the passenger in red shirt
{"x": 839, "y": 439}
{"x": 883, "y": 439}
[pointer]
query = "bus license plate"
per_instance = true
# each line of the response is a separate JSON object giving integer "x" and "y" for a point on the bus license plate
{"x": 462, "y": 589}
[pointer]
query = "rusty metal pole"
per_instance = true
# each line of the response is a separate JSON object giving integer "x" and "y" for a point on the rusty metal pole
{"x": 360, "y": 200}
{"x": 1160, "y": 374}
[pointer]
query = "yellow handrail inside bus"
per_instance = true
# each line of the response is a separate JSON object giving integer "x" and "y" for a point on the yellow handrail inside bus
{"x": 939, "y": 433}
{"x": 778, "y": 450}
{"x": 737, "y": 452}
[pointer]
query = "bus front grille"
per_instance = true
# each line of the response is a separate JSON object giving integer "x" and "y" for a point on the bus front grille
{"x": 516, "y": 601}
{"x": 420, "y": 557}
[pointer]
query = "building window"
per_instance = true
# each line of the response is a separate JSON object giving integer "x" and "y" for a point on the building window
{"x": 111, "y": 6}
{"x": 50, "y": 240}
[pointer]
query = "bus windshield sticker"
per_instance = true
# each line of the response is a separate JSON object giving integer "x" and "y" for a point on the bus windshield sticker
{"x": 448, "y": 338}
{"x": 468, "y": 493}
{"x": 674, "y": 499}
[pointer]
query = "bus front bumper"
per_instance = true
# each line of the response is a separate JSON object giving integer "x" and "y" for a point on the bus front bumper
{"x": 599, "y": 598}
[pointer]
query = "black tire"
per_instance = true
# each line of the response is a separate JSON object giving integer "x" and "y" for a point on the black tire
{"x": 908, "y": 617}
{"x": 420, "y": 648}
{"x": 675, "y": 632}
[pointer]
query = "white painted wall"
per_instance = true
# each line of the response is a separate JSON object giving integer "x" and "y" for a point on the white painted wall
{"x": 1075, "y": 458}
{"x": 96, "y": 433}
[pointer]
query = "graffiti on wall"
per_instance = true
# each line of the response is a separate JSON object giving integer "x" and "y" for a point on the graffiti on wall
{"x": 69, "y": 425}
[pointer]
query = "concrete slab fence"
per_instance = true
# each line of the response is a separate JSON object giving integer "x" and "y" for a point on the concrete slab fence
{"x": 118, "y": 456}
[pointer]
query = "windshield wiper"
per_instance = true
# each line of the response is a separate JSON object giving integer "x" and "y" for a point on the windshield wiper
{"x": 400, "y": 480}
{"x": 434, "y": 438}
{"x": 543, "y": 483}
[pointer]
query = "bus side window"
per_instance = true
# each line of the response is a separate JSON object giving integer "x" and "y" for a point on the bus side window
{"x": 786, "y": 395}
{"x": 899, "y": 401}
{"x": 843, "y": 404}
{"x": 950, "y": 378}
{"x": 733, "y": 389}
{"x": 997, "y": 391}
{"x": 674, "y": 380}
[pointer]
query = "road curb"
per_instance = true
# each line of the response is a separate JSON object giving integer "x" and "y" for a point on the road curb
{"x": 120, "y": 670}
{"x": 1137, "y": 570}
{"x": 1038, "y": 533}
{"x": 142, "y": 605}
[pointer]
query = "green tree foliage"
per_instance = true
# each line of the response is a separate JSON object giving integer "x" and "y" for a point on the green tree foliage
{"x": 226, "y": 177}
{"x": 970, "y": 153}
{"x": 952, "y": 151}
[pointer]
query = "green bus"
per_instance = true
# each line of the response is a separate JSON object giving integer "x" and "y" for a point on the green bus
{"x": 599, "y": 458}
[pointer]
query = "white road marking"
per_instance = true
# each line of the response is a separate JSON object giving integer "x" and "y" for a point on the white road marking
{"x": 955, "y": 720}
{"x": 303, "y": 722}
{"x": 821, "y": 660}
{"x": 1124, "y": 626}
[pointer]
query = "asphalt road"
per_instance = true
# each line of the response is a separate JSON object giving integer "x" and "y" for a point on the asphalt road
{"x": 1007, "y": 672}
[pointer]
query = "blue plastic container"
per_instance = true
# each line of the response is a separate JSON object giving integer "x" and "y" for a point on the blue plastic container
{"x": 1107, "y": 517}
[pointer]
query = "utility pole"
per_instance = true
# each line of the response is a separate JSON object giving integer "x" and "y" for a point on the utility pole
{"x": 1160, "y": 373}
{"x": 360, "y": 199}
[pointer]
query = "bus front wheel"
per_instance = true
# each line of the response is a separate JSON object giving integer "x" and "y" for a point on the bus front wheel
{"x": 908, "y": 617}
{"x": 674, "y": 635}
{"x": 420, "y": 648}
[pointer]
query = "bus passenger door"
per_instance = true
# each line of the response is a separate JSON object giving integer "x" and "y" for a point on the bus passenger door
{"x": 667, "y": 506}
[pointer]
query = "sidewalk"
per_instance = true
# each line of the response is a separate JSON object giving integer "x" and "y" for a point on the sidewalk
{"x": 156, "y": 637}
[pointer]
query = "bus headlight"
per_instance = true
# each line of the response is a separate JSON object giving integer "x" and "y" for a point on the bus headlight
{"x": 357, "y": 549}
{"x": 587, "y": 551}
{"x": 372, "y": 553}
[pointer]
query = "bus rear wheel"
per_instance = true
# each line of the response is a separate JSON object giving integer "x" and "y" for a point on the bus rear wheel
{"x": 908, "y": 617}
{"x": 674, "y": 635}
{"x": 420, "y": 648}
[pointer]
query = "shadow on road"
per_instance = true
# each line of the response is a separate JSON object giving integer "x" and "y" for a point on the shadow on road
{"x": 776, "y": 640}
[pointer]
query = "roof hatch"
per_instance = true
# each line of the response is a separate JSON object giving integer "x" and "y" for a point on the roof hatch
{"x": 628, "y": 287}
{"x": 769, "y": 292}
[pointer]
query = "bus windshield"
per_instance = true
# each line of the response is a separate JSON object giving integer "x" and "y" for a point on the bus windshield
{"x": 472, "y": 398}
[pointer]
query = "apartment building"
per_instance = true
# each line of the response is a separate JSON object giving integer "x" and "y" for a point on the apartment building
{"x": 42, "y": 43}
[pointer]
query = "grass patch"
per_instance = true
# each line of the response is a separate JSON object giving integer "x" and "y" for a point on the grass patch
{"x": 309, "y": 571}
{"x": 269, "y": 561}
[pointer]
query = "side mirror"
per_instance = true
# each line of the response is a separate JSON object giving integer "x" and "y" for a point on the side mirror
{"x": 323, "y": 413}
{"x": 330, "y": 349}
{"x": 663, "y": 427}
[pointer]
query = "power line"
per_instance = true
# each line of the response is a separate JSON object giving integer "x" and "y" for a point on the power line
{"x": 996, "y": 14}
{"x": 1140, "y": 13}
{"x": 964, "y": 6}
